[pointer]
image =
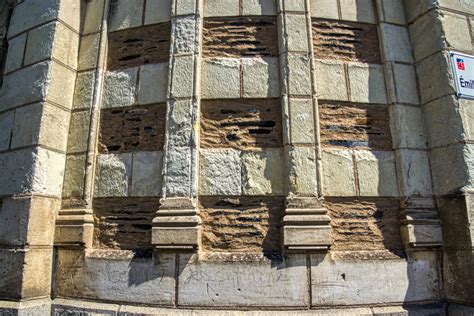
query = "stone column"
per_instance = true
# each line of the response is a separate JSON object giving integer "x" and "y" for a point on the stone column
{"x": 176, "y": 225}
{"x": 305, "y": 223}
{"x": 75, "y": 222}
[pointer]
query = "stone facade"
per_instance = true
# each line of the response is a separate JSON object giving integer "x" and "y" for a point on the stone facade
{"x": 287, "y": 156}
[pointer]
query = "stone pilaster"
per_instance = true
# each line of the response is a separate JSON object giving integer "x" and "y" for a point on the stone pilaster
{"x": 176, "y": 225}
{"x": 305, "y": 222}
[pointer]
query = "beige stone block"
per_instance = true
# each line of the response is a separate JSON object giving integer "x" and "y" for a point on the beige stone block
{"x": 125, "y": 14}
{"x": 16, "y": 50}
{"x": 157, "y": 11}
{"x": 93, "y": 16}
{"x": 29, "y": 14}
{"x": 184, "y": 7}
{"x": 153, "y": 85}
{"x": 54, "y": 127}
{"x": 466, "y": 108}
{"x": 457, "y": 31}
{"x": 259, "y": 7}
{"x": 436, "y": 79}
{"x": 220, "y": 172}
{"x": 302, "y": 171}
{"x": 37, "y": 269}
{"x": 66, "y": 45}
{"x": 49, "y": 172}
{"x": 326, "y": 9}
{"x": 299, "y": 75}
{"x": 184, "y": 35}
{"x": 376, "y": 173}
{"x": 6, "y": 126}
{"x": 297, "y": 31}
{"x": 27, "y": 126}
{"x": 70, "y": 13}
{"x": 180, "y": 123}
{"x": 179, "y": 165}
{"x": 338, "y": 173}
{"x": 147, "y": 173}
{"x": 404, "y": 78}
{"x": 221, "y": 78}
{"x": 330, "y": 80}
{"x": 358, "y": 10}
{"x": 302, "y": 121}
{"x": 120, "y": 87}
{"x": 407, "y": 126}
{"x": 396, "y": 43}
{"x": 61, "y": 86}
{"x": 183, "y": 82}
{"x": 221, "y": 8}
{"x": 74, "y": 176}
{"x": 263, "y": 172}
{"x": 458, "y": 5}
{"x": 40, "y": 43}
{"x": 414, "y": 172}
{"x": 83, "y": 93}
{"x": 79, "y": 132}
{"x": 113, "y": 175}
{"x": 423, "y": 45}
{"x": 261, "y": 78}
{"x": 294, "y": 5}
{"x": 88, "y": 51}
{"x": 391, "y": 11}
{"x": 367, "y": 83}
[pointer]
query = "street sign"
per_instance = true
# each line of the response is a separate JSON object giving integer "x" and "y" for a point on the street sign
{"x": 463, "y": 69}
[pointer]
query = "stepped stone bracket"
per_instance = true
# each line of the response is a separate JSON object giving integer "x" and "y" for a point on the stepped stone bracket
{"x": 74, "y": 227}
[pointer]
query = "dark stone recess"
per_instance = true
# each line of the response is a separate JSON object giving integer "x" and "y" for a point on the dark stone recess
{"x": 139, "y": 46}
{"x": 240, "y": 36}
{"x": 350, "y": 41}
{"x": 345, "y": 124}
{"x": 241, "y": 124}
{"x": 129, "y": 129}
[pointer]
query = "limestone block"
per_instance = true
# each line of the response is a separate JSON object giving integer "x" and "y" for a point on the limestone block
{"x": 93, "y": 16}
{"x": 61, "y": 85}
{"x": 54, "y": 124}
{"x": 184, "y": 7}
{"x": 326, "y": 9}
{"x": 11, "y": 262}
{"x": 358, "y": 10}
{"x": 27, "y": 126}
{"x": 220, "y": 172}
{"x": 184, "y": 35}
{"x": 84, "y": 90}
{"x": 88, "y": 51}
{"x": 391, "y": 11}
{"x": 376, "y": 173}
{"x": 299, "y": 75}
{"x": 16, "y": 49}
{"x": 146, "y": 173}
{"x": 40, "y": 43}
{"x": 466, "y": 108}
{"x": 423, "y": 45}
{"x": 338, "y": 173}
{"x": 302, "y": 171}
{"x": 404, "y": 79}
{"x": 26, "y": 308}
{"x": 457, "y": 31}
{"x": 414, "y": 172}
{"x": 120, "y": 87}
{"x": 414, "y": 9}
{"x": 407, "y": 126}
{"x": 301, "y": 121}
{"x": 49, "y": 172}
{"x": 74, "y": 176}
{"x": 36, "y": 272}
{"x": 259, "y": 7}
{"x": 243, "y": 283}
{"x": 153, "y": 86}
{"x": 400, "y": 280}
{"x": 179, "y": 165}
{"x": 367, "y": 83}
{"x": 221, "y": 8}
{"x": 70, "y": 13}
{"x": 66, "y": 45}
{"x": 17, "y": 180}
{"x": 29, "y": 14}
{"x": 180, "y": 123}
{"x": 297, "y": 32}
{"x": 125, "y": 14}
{"x": 261, "y": 77}
{"x": 294, "y": 5}
{"x": 330, "y": 80}
{"x": 263, "y": 172}
{"x": 435, "y": 78}
{"x": 458, "y": 5}
{"x": 157, "y": 11}
{"x": 79, "y": 132}
{"x": 396, "y": 43}
{"x": 221, "y": 78}
{"x": 183, "y": 82}
{"x": 113, "y": 175}
{"x": 6, "y": 126}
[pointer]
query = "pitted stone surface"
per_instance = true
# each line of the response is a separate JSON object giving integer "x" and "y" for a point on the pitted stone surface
{"x": 220, "y": 172}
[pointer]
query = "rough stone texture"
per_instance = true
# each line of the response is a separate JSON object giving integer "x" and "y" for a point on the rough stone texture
{"x": 6, "y": 126}
{"x": 404, "y": 81}
{"x": 299, "y": 75}
{"x": 120, "y": 88}
{"x": 347, "y": 41}
{"x": 295, "y": 28}
{"x": 207, "y": 283}
{"x": 359, "y": 10}
{"x": 125, "y": 14}
{"x": 258, "y": 7}
{"x": 139, "y": 46}
{"x": 88, "y": 50}
{"x": 180, "y": 123}
{"x": 32, "y": 13}
{"x": 220, "y": 172}
{"x": 221, "y": 79}
{"x": 423, "y": 45}
{"x": 331, "y": 80}
{"x": 260, "y": 78}
{"x": 153, "y": 85}
{"x": 354, "y": 125}
{"x": 327, "y": 9}
{"x": 113, "y": 175}
{"x": 124, "y": 223}
{"x": 302, "y": 121}
{"x": 16, "y": 47}
{"x": 183, "y": 85}
{"x": 338, "y": 173}
{"x": 185, "y": 33}
{"x": 263, "y": 172}
{"x": 376, "y": 173}
{"x": 241, "y": 124}
{"x": 365, "y": 224}
{"x": 139, "y": 128}
{"x": 78, "y": 137}
{"x": 240, "y": 36}
{"x": 244, "y": 224}
{"x": 147, "y": 173}
{"x": 415, "y": 169}
{"x": 83, "y": 90}
{"x": 157, "y": 11}
{"x": 178, "y": 164}
{"x": 457, "y": 31}
{"x": 302, "y": 173}
{"x": 408, "y": 128}
{"x": 367, "y": 84}
{"x": 40, "y": 46}
{"x": 74, "y": 176}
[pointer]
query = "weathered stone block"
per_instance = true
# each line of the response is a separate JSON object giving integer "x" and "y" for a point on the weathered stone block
{"x": 74, "y": 176}
{"x": 391, "y": 11}
{"x": 16, "y": 49}
{"x": 184, "y": 35}
{"x": 359, "y": 10}
{"x": 258, "y": 7}
{"x": 458, "y": 279}
{"x": 49, "y": 172}
{"x": 221, "y": 8}
{"x": 17, "y": 180}
{"x": 66, "y": 45}
{"x": 407, "y": 125}
{"x": 184, "y": 7}
{"x": 338, "y": 173}
{"x": 296, "y": 29}
{"x": 120, "y": 87}
{"x": 396, "y": 43}
{"x": 153, "y": 86}
{"x": 302, "y": 175}
{"x": 457, "y": 31}
{"x": 415, "y": 176}
{"x": 29, "y": 14}
{"x": 157, "y": 11}
{"x": 423, "y": 45}
{"x": 182, "y": 82}
{"x": 220, "y": 78}
{"x": 415, "y": 8}
{"x": 260, "y": 77}
{"x": 376, "y": 173}
{"x": 147, "y": 173}
{"x": 330, "y": 80}
{"x": 458, "y": 5}
{"x": 88, "y": 51}
{"x": 125, "y": 14}
{"x": 240, "y": 283}
{"x": 302, "y": 121}
{"x": 294, "y": 5}
{"x": 78, "y": 137}
{"x": 113, "y": 175}
{"x": 220, "y": 172}
{"x": 61, "y": 85}
{"x": 404, "y": 81}
{"x": 84, "y": 90}
{"x": 180, "y": 123}
{"x": 367, "y": 83}
{"x": 263, "y": 172}
{"x": 324, "y": 9}
{"x": 466, "y": 108}
{"x": 70, "y": 13}
{"x": 299, "y": 75}
{"x": 6, "y": 126}
{"x": 178, "y": 171}
{"x": 93, "y": 17}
